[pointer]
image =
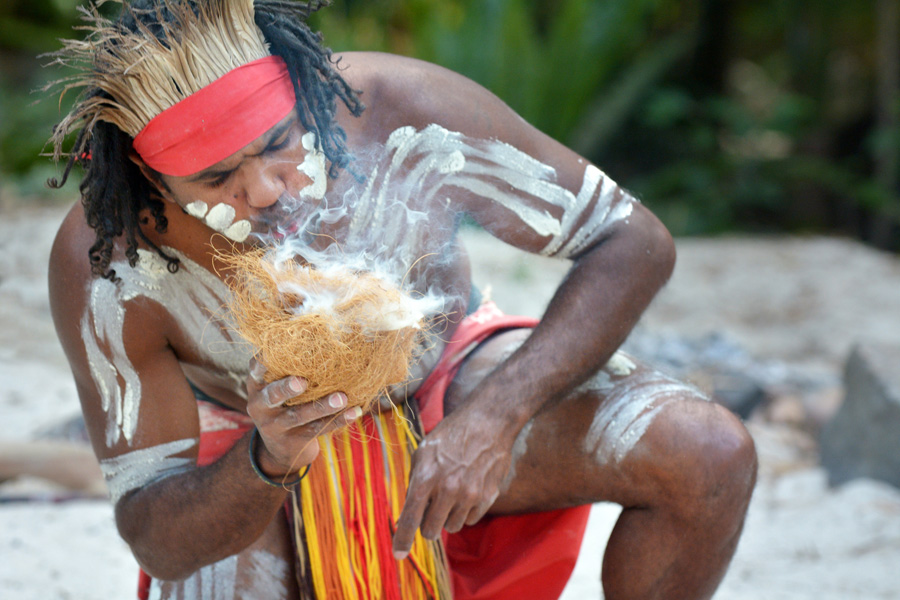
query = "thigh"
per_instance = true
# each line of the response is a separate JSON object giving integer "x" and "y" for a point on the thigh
{"x": 263, "y": 571}
{"x": 615, "y": 438}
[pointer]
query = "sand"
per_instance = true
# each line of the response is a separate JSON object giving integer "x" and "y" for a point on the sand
{"x": 804, "y": 302}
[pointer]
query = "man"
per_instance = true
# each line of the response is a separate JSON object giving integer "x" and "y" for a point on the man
{"x": 206, "y": 128}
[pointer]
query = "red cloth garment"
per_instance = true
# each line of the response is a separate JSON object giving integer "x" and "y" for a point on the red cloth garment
{"x": 501, "y": 557}
{"x": 219, "y": 119}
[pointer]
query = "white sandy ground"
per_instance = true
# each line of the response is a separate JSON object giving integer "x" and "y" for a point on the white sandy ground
{"x": 803, "y": 301}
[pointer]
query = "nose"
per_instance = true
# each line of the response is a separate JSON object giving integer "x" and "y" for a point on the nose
{"x": 271, "y": 180}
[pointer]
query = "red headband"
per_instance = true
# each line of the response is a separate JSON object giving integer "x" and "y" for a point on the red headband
{"x": 218, "y": 120}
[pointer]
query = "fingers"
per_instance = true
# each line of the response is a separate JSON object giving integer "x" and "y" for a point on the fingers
{"x": 409, "y": 520}
{"x": 257, "y": 371}
{"x": 457, "y": 519}
{"x": 278, "y": 392}
{"x": 477, "y": 513}
{"x": 319, "y": 417}
{"x": 436, "y": 515}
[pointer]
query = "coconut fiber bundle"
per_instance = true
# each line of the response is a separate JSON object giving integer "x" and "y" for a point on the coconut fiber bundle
{"x": 340, "y": 329}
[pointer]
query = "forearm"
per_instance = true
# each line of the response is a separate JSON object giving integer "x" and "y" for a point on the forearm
{"x": 591, "y": 314}
{"x": 195, "y": 518}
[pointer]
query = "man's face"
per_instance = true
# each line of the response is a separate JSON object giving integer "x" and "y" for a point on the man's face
{"x": 258, "y": 188}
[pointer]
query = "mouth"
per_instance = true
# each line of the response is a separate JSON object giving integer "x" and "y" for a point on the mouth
{"x": 285, "y": 231}
{"x": 278, "y": 222}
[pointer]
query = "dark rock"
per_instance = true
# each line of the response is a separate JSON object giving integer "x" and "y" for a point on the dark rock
{"x": 863, "y": 438}
{"x": 737, "y": 391}
{"x": 720, "y": 366}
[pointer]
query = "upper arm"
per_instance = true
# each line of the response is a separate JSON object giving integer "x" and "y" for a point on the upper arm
{"x": 521, "y": 185}
{"x": 132, "y": 391}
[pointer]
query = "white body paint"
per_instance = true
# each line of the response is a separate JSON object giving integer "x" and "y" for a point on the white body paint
{"x": 252, "y": 574}
{"x": 136, "y": 469}
{"x": 193, "y": 296}
{"x": 220, "y": 218}
{"x": 632, "y": 402}
{"x": 520, "y": 447}
{"x": 313, "y": 166}
{"x": 213, "y": 582}
{"x": 266, "y": 576}
{"x": 420, "y": 168}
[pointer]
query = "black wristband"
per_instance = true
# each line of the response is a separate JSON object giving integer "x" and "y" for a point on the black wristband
{"x": 284, "y": 484}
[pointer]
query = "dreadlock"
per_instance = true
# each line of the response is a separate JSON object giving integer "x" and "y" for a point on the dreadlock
{"x": 113, "y": 189}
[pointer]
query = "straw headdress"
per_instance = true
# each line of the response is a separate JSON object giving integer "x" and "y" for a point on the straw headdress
{"x": 133, "y": 69}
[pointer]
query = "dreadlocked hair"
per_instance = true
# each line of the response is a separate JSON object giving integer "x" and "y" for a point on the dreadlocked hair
{"x": 121, "y": 88}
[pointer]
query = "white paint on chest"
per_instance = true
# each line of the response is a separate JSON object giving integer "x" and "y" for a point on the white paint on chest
{"x": 193, "y": 296}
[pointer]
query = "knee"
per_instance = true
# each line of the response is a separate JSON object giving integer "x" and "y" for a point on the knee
{"x": 710, "y": 461}
{"x": 728, "y": 458}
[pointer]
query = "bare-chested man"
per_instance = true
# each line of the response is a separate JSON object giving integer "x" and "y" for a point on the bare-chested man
{"x": 237, "y": 125}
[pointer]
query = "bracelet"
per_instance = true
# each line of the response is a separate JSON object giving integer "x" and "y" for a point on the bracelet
{"x": 254, "y": 436}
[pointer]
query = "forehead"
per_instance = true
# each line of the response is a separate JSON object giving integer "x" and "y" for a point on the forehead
{"x": 237, "y": 159}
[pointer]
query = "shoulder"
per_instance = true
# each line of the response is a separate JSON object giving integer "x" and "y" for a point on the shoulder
{"x": 70, "y": 267}
{"x": 72, "y": 286}
{"x": 399, "y": 92}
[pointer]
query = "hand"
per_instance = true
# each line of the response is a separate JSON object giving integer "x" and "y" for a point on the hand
{"x": 288, "y": 433}
{"x": 457, "y": 474}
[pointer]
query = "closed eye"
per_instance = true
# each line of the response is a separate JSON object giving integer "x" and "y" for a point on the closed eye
{"x": 219, "y": 180}
{"x": 280, "y": 144}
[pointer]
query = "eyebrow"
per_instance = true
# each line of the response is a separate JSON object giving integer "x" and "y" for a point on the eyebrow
{"x": 215, "y": 174}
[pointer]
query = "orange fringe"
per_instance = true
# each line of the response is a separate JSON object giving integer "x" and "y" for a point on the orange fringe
{"x": 349, "y": 503}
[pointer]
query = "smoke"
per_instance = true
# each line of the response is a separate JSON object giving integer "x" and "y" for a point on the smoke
{"x": 398, "y": 219}
{"x": 379, "y": 223}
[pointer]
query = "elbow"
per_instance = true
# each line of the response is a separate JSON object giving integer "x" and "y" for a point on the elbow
{"x": 647, "y": 247}
{"x": 659, "y": 248}
{"x": 157, "y": 558}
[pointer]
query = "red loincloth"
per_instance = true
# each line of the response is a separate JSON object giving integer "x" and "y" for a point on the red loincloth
{"x": 501, "y": 557}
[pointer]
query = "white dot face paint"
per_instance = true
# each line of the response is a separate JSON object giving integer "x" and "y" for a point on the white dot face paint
{"x": 238, "y": 232}
{"x": 313, "y": 166}
{"x": 193, "y": 296}
{"x": 221, "y": 219}
{"x": 197, "y": 209}
{"x": 632, "y": 401}
{"x": 136, "y": 469}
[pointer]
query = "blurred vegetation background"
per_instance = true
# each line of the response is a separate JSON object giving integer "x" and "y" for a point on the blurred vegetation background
{"x": 722, "y": 115}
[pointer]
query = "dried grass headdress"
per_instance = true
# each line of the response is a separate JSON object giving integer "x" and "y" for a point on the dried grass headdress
{"x": 132, "y": 69}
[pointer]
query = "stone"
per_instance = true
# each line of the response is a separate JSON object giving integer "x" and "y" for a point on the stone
{"x": 863, "y": 438}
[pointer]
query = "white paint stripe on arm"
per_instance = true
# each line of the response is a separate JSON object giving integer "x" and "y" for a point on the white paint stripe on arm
{"x": 138, "y": 468}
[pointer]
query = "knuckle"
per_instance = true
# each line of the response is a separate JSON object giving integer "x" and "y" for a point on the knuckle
{"x": 291, "y": 417}
{"x": 418, "y": 493}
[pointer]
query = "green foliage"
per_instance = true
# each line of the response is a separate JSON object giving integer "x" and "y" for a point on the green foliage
{"x": 721, "y": 115}
{"x": 567, "y": 66}
{"x": 29, "y": 28}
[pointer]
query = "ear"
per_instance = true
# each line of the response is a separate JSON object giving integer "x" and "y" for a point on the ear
{"x": 152, "y": 176}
